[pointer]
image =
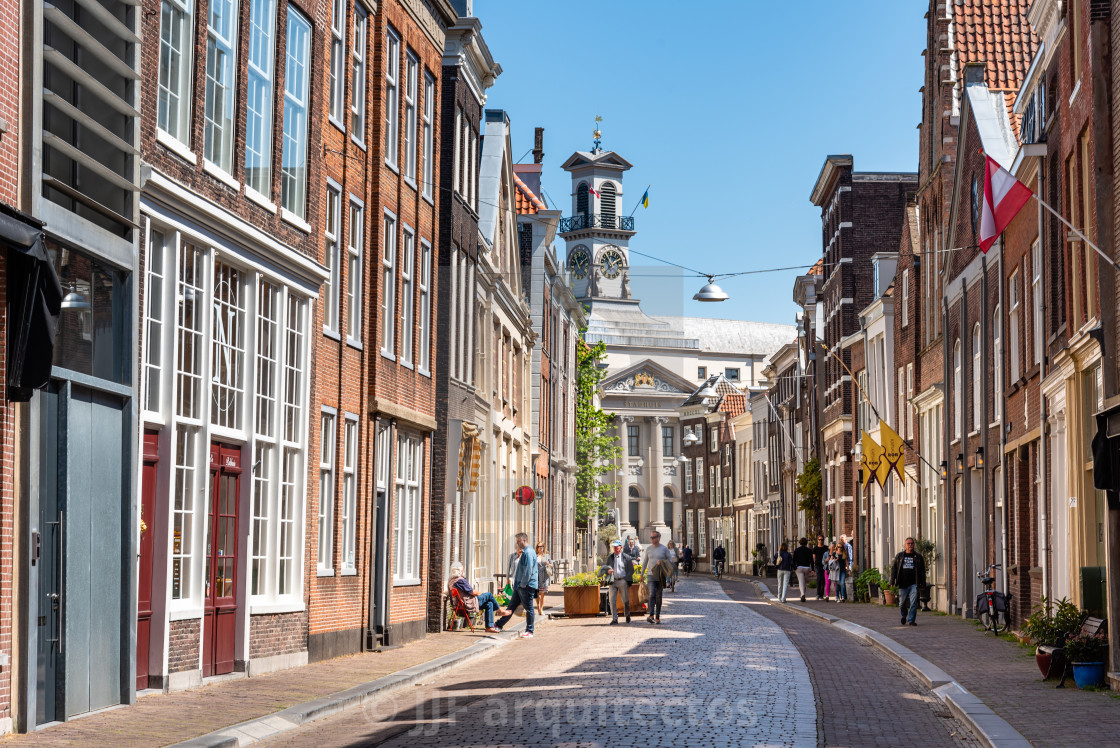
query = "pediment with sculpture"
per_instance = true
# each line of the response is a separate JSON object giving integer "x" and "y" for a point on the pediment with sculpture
{"x": 647, "y": 377}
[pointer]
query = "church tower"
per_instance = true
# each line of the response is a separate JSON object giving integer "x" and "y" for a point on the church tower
{"x": 597, "y": 233}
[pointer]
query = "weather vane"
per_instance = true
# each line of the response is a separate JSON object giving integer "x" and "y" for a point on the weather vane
{"x": 597, "y": 134}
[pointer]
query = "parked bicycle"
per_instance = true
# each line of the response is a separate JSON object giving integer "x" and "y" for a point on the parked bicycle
{"x": 991, "y": 605}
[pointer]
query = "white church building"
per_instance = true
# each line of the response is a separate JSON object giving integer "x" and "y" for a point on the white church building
{"x": 653, "y": 362}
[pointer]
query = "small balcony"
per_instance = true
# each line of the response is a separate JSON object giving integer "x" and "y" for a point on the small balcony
{"x": 596, "y": 221}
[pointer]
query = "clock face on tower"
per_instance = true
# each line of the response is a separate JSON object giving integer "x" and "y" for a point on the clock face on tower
{"x": 612, "y": 264}
{"x": 579, "y": 263}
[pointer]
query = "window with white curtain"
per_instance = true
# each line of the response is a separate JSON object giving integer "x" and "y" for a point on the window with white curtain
{"x": 977, "y": 378}
{"x": 424, "y": 301}
{"x": 1013, "y": 325}
{"x": 259, "y": 103}
{"x": 332, "y": 227}
{"x": 327, "y": 439}
{"x": 408, "y": 300}
{"x": 388, "y": 284}
{"x": 176, "y": 45}
{"x": 412, "y": 72}
{"x": 349, "y": 494}
{"x": 358, "y": 76}
{"x": 338, "y": 60}
{"x": 293, "y": 157}
{"x": 392, "y": 95}
{"x": 429, "y": 142}
{"x": 221, "y": 40}
{"x": 406, "y": 515}
{"x": 957, "y": 415}
{"x": 354, "y": 272}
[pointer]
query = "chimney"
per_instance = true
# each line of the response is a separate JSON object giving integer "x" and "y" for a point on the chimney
{"x": 538, "y": 146}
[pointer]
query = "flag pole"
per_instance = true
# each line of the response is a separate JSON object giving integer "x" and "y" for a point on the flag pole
{"x": 639, "y": 201}
{"x": 1115, "y": 265}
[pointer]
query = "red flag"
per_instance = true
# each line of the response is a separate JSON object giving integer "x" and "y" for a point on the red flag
{"x": 1004, "y": 196}
{"x": 592, "y": 191}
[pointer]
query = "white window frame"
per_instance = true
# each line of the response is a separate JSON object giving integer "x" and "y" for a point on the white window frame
{"x": 906, "y": 297}
{"x": 1013, "y": 324}
{"x": 699, "y": 475}
{"x": 392, "y": 96}
{"x": 1036, "y": 301}
{"x": 429, "y": 135}
{"x": 408, "y": 295}
{"x": 331, "y": 230}
{"x": 424, "y": 301}
{"x": 997, "y": 361}
{"x": 297, "y": 89}
{"x": 688, "y": 476}
{"x": 909, "y": 397}
{"x": 348, "y": 554}
{"x": 155, "y": 289}
{"x": 977, "y": 378}
{"x": 958, "y": 415}
{"x": 337, "y": 80}
{"x": 455, "y": 181}
{"x": 221, "y": 60}
{"x": 228, "y": 341}
{"x": 328, "y": 442}
{"x": 411, "y": 84}
{"x": 408, "y": 492}
{"x": 702, "y": 533}
{"x": 176, "y": 19}
{"x": 260, "y": 100}
{"x": 358, "y": 76}
{"x": 354, "y": 272}
{"x": 388, "y": 285}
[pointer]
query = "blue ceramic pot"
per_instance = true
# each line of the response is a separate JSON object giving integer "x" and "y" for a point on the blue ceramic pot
{"x": 1088, "y": 673}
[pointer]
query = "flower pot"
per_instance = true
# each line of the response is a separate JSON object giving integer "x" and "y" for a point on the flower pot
{"x": 890, "y": 598}
{"x": 1087, "y": 674}
{"x": 635, "y": 604}
{"x": 1043, "y": 660}
{"x": 581, "y": 601}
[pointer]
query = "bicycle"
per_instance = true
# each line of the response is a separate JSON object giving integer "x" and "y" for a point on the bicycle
{"x": 719, "y": 569}
{"x": 687, "y": 565}
{"x": 990, "y": 603}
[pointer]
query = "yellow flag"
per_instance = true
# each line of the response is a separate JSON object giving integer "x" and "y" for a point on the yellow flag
{"x": 893, "y": 452}
{"x": 871, "y": 460}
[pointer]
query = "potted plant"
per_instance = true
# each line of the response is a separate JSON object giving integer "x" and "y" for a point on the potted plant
{"x": 635, "y": 603}
{"x": 754, "y": 562}
{"x": 1087, "y": 653}
{"x": 890, "y": 594}
{"x": 581, "y": 594}
{"x": 1049, "y": 626}
{"x": 867, "y": 585}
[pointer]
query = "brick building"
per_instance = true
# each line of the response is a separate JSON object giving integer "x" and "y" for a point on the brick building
{"x": 232, "y": 214}
{"x": 461, "y": 405}
{"x": 861, "y": 215}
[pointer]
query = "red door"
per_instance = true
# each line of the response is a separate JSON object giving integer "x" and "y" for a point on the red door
{"x": 220, "y": 631}
{"x": 147, "y": 533}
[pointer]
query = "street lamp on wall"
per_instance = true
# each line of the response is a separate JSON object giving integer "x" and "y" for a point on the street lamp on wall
{"x": 979, "y": 457}
{"x": 944, "y": 469}
{"x": 960, "y": 462}
{"x": 690, "y": 439}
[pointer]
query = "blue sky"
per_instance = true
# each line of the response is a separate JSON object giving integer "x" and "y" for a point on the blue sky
{"x": 729, "y": 110}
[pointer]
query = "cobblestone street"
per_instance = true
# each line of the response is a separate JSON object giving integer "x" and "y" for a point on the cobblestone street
{"x": 723, "y": 669}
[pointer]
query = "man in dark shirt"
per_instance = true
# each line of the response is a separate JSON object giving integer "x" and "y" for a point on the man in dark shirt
{"x": 908, "y": 573}
{"x": 803, "y": 564}
{"x": 819, "y": 554}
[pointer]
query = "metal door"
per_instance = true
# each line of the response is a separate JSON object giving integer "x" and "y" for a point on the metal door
{"x": 144, "y": 593}
{"x": 220, "y": 630}
{"x": 46, "y": 561}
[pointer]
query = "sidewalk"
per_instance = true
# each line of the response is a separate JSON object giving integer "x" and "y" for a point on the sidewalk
{"x": 1000, "y": 673}
{"x": 164, "y": 719}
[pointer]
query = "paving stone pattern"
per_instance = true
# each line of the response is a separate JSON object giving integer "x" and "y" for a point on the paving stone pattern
{"x": 1000, "y": 673}
{"x": 713, "y": 674}
{"x": 863, "y": 698}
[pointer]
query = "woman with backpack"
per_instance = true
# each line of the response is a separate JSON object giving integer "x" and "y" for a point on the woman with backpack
{"x": 784, "y": 561}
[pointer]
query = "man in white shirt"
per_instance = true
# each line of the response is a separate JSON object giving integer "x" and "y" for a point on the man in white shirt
{"x": 620, "y": 569}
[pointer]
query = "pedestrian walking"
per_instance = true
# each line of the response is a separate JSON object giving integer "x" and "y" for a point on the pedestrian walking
{"x": 633, "y": 550}
{"x": 675, "y": 557}
{"x": 620, "y": 570}
{"x": 842, "y": 566}
{"x": 847, "y": 542}
{"x": 907, "y": 572}
{"x": 545, "y": 572}
{"x": 655, "y": 562}
{"x": 803, "y": 564}
{"x": 784, "y": 561}
{"x": 686, "y": 558}
{"x": 524, "y": 586}
{"x": 820, "y": 553}
{"x": 829, "y": 557}
{"x": 719, "y": 559}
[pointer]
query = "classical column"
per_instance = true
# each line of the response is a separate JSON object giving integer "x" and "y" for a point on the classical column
{"x": 656, "y": 482}
{"x": 622, "y": 501}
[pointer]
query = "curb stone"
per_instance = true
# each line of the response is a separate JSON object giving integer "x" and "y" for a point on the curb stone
{"x": 260, "y": 728}
{"x": 964, "y": 705}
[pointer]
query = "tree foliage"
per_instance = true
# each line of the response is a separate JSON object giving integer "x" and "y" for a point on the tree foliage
{"x": 597, "y": 446}
{"x": 809, "y": 488}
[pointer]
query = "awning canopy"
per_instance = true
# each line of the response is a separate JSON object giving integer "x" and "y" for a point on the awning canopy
{"x": 34, "y": 302}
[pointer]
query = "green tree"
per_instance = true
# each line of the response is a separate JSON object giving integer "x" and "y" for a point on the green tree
{"x": 809, "y": 487}
{"x": 597, "y": 447}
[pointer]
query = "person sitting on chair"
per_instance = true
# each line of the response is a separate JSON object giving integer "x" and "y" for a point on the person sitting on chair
{"x": 473, "y": 600}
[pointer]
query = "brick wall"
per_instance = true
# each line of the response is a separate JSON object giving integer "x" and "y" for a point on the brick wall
{"x": 10, "y": 36}
{"x": 184, "y": 639}
{"x": 273, "y": 634}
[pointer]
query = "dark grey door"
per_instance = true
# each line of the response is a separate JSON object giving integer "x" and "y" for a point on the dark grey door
{"x": 83, "y": 510}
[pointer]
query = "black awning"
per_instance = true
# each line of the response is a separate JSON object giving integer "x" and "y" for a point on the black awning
{"x": 34, "y": 302}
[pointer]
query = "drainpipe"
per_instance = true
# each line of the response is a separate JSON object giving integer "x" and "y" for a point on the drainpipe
{"x": 965, "y": 553}
{"x": 1040, "y": 470}
{"x": 1003, "y": 529}
{"x": 985, "y": 397}
{"x": 948, "y": 515}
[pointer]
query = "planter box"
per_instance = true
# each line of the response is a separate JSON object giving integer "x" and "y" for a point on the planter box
{"x": 581, "y": 601}
{"x": 1088, "y": 674}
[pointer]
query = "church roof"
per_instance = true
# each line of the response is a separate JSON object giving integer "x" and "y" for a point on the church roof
{"x": 596, "y": 158}
{"x": 996, "y": 33}
{"x": 737, "y": 336}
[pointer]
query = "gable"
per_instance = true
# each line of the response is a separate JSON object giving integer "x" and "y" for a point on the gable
{"x": 647, "y": 377}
